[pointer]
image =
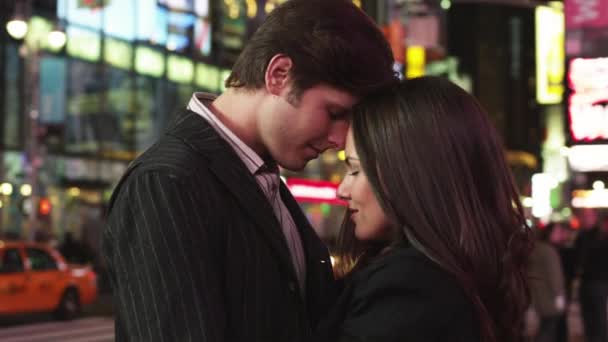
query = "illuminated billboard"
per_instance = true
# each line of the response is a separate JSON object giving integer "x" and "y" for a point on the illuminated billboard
{"x": 149, "y": 61}
{"x": 118, "y": 18}
{"x": 83, "y": 15}
{"x": 550, "y": 52}
{"x": 208, "y": 77}
{"x": 588, "y": 103}
{"x": 84, "y": 44}
{"x": 586, "y": 13}
{"x": 202, "y": 36}
{"x": 200, "y": 7}
{"x": 588, "y": 158}
{"x": 118, "y": 53}
{"x": 180, "y": 69}
{"x": 416, "y": 60}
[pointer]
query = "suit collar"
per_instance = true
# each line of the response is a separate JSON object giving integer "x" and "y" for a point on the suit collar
{"x": 196, "y": 132}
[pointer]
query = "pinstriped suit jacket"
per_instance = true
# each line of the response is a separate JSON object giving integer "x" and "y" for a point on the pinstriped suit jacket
{"x": 195, "y": 252}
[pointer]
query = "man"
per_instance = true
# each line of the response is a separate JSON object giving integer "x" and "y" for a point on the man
{"x": 204, "y": 242}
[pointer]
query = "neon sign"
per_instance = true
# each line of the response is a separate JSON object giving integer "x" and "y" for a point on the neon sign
{"x": 588, "y": 104}
{"x": 314, "y": 191}
{"x": 587, "y": 158}
{"x": 549, "y": 55}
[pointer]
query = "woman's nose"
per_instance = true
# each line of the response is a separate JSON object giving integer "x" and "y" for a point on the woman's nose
{"x": 342, "y": 191}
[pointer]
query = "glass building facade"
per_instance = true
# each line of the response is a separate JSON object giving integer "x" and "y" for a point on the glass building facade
{"x": 126, "y": 68}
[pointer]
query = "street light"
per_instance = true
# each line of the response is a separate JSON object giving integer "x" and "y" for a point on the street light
{"x": 57, "y": 39}
{"x": 6, "y": 189}
{"x": 25, "y": 190}
{"x": 17, "y": 26}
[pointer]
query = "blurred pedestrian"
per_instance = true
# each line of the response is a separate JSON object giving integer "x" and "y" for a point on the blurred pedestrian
{"x": 92, "y": 224}
{"x": 592, "y": 246}
{"x": 204, "y": 242}
{"x": 72, "y": 250}
{"x": 547, "y": 285}
{"x": 435, "y": 243}
{"x": 562, "y": 237}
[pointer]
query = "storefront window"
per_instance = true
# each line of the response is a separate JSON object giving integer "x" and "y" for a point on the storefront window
{"x": 12, "y": 136}
{"x": 117, "y": 125}
{"x": 151, "y": 111}
{"x": 178, "y": 96}
{"x": 84, "y": 106}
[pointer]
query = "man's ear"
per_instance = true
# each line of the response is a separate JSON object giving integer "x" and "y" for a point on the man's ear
{"x": 277, "y": 74}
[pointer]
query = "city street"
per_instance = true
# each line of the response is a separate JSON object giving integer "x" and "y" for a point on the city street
{"x": 90, "y": 329}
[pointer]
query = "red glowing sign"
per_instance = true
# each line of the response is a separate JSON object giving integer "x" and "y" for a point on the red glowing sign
{"x": 314, "y": 191}
{"x": 586, "y": 13}
{"x": 588, "y": 103}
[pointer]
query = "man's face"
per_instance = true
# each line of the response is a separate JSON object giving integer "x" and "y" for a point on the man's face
{"x": 295, "y": 133}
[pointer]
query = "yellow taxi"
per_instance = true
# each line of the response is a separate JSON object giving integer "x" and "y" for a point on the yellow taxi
{"x": 35, "y": 278}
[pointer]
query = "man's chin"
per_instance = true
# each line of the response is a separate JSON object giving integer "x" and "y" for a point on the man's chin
{"x": 294, "y": 165}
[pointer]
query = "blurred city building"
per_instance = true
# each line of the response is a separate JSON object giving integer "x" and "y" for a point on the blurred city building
{"x": 73, "y": 115}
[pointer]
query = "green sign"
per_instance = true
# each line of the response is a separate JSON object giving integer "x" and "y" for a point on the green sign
{"x": 149, "y": 61}
{"x": 208, "y": 77}
{"x": 118, "y": 53}
{"x": 180, "y": 69}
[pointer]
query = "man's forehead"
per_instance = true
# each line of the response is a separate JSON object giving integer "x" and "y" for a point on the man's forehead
{"x": 334, "y": 96}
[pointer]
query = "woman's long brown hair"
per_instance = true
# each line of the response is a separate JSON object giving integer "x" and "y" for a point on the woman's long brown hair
{"x": 438, "y": 169}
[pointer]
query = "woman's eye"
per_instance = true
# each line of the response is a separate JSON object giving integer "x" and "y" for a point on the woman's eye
{"x": 353, "y": 173}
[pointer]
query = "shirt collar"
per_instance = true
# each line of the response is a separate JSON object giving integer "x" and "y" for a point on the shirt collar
{"x": 255, "y": 164}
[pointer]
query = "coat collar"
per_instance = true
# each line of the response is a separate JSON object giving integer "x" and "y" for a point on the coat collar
{"x": 225, "y": 164}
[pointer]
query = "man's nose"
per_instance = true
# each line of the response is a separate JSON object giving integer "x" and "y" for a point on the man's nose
{"x": 337, "y": 135}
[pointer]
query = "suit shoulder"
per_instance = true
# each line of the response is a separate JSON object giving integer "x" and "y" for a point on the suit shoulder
{"x": 172, "y": 156}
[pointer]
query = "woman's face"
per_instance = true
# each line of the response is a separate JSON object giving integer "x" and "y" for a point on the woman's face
{"x": 370, "y": 221}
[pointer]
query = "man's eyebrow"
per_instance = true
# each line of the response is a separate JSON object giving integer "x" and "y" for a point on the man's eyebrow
{"x": 338, "y": 108}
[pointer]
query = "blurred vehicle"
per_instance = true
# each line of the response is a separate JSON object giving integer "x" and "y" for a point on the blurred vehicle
{"x": 36, "y": 278}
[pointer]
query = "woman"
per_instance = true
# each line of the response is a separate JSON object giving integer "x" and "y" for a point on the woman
{"x": 435, "y": 243}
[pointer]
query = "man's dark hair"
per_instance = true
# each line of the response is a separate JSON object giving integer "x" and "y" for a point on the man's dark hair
{"x": 329, "y": 41}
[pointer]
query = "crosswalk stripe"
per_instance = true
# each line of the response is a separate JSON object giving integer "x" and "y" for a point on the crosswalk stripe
{"x": 45, "y": 336}
{"x": 52, "y": 326}
{"x": 97, "y": 338}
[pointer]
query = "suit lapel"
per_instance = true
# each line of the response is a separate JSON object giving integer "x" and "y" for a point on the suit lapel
{"x": 234, "y": 175}
{"x": 314, "y": 248}
{"x": 317, "y": 256}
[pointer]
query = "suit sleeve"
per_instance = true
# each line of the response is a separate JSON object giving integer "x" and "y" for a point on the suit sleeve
{"x": 165, "y": 273}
